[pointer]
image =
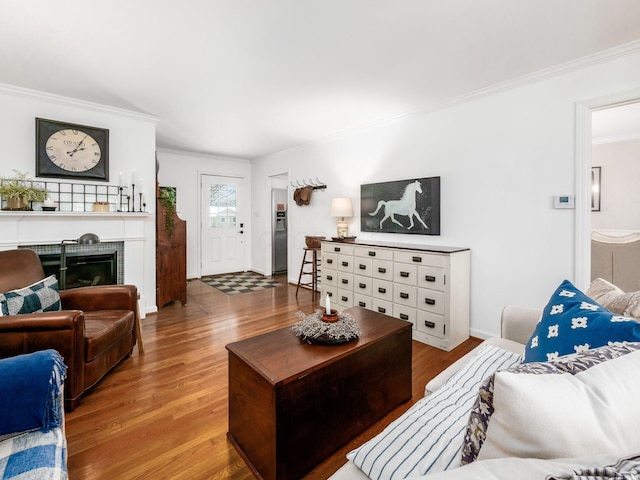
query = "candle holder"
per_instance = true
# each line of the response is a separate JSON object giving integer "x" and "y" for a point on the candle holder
{"x": 133, "y": 197}
{"x": 330, "y": 317}
{"x": 140, "y": 201}
{"x": 120, "y": 195}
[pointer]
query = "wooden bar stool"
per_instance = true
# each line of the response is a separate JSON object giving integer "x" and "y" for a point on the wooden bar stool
{"x": 314, "y": 272}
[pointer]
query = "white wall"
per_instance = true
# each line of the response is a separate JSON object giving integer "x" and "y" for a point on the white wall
{"x": 501, "y": 157}
{"x": 131, "y": 146}
{"x": 182, "y": 170}
{"x": 619, "y": 193}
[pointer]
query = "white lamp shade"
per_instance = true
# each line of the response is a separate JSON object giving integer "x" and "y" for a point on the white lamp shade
{"x": 341, "y": 207}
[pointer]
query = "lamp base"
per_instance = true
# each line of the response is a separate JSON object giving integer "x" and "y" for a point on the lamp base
{"x": 343, "y": 229}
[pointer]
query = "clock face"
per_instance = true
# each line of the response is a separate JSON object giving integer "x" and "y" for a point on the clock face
{"x": 73, "y": 150}
{"x": 68, "y": 150}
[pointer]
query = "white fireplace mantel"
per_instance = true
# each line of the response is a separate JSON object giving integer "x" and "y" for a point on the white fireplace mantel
{"x": 20, "y": 228}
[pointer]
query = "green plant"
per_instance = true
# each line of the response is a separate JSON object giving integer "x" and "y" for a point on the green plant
{"x": 167, "y": 198}
{"x": 20, "y": 186}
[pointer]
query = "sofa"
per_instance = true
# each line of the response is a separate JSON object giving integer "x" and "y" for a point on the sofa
{"x": 555, "y": 394}
{"x": 91, "y": 327}
{"x": 32, "y": 434}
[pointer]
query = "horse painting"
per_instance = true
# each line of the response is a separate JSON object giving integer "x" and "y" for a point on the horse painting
{"x": 406, "y": 206}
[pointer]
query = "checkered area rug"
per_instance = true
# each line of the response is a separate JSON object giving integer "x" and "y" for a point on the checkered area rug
{"x": 242, "y": 282}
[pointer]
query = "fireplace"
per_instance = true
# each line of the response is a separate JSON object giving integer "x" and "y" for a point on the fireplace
{"x": 84, "y": 268}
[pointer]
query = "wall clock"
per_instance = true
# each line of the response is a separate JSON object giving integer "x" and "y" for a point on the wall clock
{"x": 71, "y": 151}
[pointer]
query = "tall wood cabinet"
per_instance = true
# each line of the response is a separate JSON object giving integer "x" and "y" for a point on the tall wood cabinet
{"x": 427, "y": 286}
{"x": 171, "y": 258}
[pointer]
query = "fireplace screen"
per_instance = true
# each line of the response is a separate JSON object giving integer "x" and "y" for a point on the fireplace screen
{"x": 84, "y": 268}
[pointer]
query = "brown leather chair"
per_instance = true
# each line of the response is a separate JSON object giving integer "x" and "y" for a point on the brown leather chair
{"x": 93, "y": 332}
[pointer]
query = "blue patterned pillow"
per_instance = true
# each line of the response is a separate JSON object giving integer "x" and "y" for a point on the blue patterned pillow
{"x": 42, "y": 296}
{"x": 572, "y": 322}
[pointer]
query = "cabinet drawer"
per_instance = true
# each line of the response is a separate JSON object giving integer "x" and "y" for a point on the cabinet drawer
{"x": 372, "y": 252}
{"x": 406, "y": 274}
{"x": 340, "y": 248}
{"x": 382, "y": 289}
{"x": 405, "y": 295}
{"x": 431, "y": 277}
{"x": 329, "y": 260}
{"x": 363, "y": 301}
{"x": 382, "y": 306}
{"x": 419, "y": 258}
{"x": 345, "y": 281}
{"x": 362, "y": 266}
{"x": 345, "y": 263}
{"x": 362, "y": 285}
{"x": 330, "y": 277}
{"x": 431, "y": 324}
{"x": 405, "y": 313}
{"x": 431, "y": 301}
{"x": 345, "y": 298}
{"x": 382, "y": 269}
{"x": 332, "y": 292}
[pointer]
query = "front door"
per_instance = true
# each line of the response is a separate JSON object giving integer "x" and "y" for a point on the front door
{"x": 223, "y": 246}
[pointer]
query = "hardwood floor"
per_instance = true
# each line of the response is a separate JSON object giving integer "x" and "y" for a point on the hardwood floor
{"x": 163, "y": 414}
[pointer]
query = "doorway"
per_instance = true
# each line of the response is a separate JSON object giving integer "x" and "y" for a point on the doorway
{"x": 222, "y": 224}
{"x": 584, "y": 112}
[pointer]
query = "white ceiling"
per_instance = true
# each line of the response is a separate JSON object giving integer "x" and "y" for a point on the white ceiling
{"x": 247, "y": 78}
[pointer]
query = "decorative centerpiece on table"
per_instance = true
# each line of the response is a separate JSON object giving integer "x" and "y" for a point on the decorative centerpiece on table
{"x": 326, "y": 326}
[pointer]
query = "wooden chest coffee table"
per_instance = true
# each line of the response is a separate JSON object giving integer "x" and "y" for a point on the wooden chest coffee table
{"x": 292, "y": 404}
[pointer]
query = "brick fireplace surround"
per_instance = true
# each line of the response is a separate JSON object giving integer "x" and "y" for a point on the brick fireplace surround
{"x": 20, "y": 229}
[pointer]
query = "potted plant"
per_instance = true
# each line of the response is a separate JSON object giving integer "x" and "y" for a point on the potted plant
{"x": 19, "y": 190}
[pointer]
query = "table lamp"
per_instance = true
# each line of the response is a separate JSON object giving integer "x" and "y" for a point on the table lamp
{"x": 342, "y": 207}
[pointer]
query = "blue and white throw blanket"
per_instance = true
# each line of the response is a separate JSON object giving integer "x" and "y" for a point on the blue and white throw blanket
{"x": 32, "y": 441}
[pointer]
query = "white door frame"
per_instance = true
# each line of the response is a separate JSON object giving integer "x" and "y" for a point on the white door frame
{"x": 245, "y": 210}
{"x": 583, "y": 177}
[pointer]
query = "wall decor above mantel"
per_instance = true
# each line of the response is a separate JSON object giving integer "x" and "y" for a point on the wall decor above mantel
{"x": 403, "y": 206}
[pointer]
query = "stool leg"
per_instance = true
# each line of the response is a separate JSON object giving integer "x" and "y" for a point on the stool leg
{"x": 304, "y": 257}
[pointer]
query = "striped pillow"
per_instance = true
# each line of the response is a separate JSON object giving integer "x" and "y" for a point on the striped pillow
{"x": 428, "y": 437}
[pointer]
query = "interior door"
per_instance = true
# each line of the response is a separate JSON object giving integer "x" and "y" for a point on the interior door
{"x": 223, "y": 246}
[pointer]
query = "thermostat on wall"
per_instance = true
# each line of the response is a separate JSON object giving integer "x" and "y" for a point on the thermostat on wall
{"x": 563, "y": 201}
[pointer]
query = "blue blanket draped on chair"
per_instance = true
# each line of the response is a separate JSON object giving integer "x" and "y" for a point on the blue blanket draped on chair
{"x": 30, "y": 387}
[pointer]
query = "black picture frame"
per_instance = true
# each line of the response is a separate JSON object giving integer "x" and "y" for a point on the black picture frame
{"x": 45, "y": 167}
{"x": 596, "y": 184}
{"x": 403, "y": 206}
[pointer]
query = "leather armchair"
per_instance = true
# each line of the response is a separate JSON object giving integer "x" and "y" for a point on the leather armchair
{"x": 93, "y": 332}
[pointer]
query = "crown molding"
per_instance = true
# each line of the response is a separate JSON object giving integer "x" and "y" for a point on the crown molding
{"x": 53, "y": 98}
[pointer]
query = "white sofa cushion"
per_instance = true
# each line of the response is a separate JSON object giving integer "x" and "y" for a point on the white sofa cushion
{"x": 428, "y": 437}
{"x": 582, "y": 404}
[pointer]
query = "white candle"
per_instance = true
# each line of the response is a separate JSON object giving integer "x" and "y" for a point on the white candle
{"x": 133, "y": 177}
{"x": 49, "y": 203}
{"x": 328, "y": 305}
{"x": 120, "y": 180}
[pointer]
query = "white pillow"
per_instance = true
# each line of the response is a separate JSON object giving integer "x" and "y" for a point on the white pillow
{"x": 428, "y": 437}
{"x": 593, "y": 412}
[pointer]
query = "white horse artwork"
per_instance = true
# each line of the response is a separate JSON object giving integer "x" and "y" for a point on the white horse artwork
{"x": 405, "y": 206}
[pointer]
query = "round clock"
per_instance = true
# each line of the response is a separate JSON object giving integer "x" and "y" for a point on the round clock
{"x": 71, "y": 151}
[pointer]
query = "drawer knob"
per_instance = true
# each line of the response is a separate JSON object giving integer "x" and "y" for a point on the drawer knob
{"x": 336, "y": 249}
{"x": 404, "y": 316}
{"x": 429, "y": 301}
{"x": 382, "y": 290}
{"x": 404, "y": 295}
{"x": 430, "y": 278}
{"x": 429, "y": 324}
{"x": 404, "y": 274}
{"x": 362, "y": 304}
{"x": 329, "y": 277}
{"x": 345, "y": 264}
{"x": 372, "y": 254}
{"x": 330, "y": 294}
{"x": 345, "y": 281}
{"x": 362, "y": 285}
{"x": 329, "y": 260}
{"x": 344, "y": 299}
{"x": 362, "y": 267}
{"x": 382, "y": 270}
{"x": 382, "y": 310}
{"x": 417, "y": 259}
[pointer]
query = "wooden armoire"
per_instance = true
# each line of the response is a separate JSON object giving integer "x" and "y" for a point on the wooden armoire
{"x": 171, "y": 256}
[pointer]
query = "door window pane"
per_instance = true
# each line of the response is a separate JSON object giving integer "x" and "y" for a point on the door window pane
{"x": 222, "y": 206}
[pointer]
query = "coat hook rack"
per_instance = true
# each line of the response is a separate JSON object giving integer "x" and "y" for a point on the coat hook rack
{"x": 315, "y": 184}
